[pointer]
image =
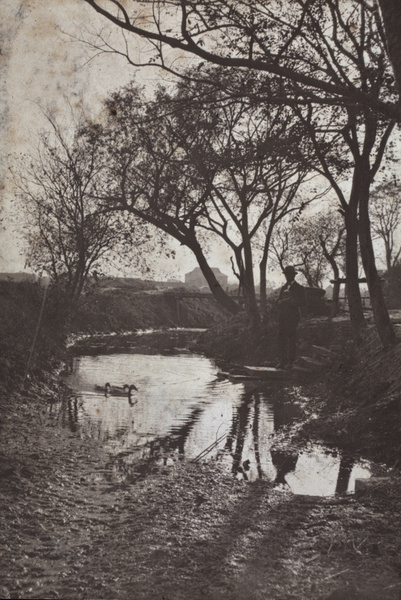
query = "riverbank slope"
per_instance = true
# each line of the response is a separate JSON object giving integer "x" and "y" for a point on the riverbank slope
{"x": 183, "y": 531}
{"x": 192, "y": 531}
{"x": 353, "y": 400}
{"x": 35, "y": 323}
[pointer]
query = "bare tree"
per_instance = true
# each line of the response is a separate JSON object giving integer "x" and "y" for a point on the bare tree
{"x": 150, "y": 177}
{"x": 68, "y": 234}
{"x": 270, "y": 37}
{"x": 249, "y": 156}
{"x": 366, "y": 136}
{"x": 386, "y": 219}
{"x": 313, "y": 244}
{"x": 193, "y": 163}
{"x": 330, "y": 53}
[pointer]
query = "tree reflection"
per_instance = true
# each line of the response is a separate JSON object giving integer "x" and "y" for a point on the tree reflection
{"x": 255, "y": 431}
{"x": 344, "y": 473}
{"x": 69, "y": 413}
{"x": 242, "y": 419}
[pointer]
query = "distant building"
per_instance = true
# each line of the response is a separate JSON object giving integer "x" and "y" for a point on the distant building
{"x": 196, "y": 279}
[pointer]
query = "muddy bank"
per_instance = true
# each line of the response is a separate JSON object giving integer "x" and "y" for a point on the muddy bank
{"x": 185, "y": 531}
{"x": 353, "y": 401}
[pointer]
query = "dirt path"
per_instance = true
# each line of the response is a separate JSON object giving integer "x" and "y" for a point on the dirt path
{"x": 70, "y": 529}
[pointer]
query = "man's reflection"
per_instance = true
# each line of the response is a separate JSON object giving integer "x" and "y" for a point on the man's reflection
{"x": 285, "y": 463}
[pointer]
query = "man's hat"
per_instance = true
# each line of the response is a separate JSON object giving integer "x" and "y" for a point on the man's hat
{"x": 289, "y": 270}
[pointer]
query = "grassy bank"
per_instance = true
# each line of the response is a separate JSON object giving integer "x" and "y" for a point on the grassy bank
{"x": 361, "y": 410}
{"x": 124, "y": 310}
{"x": 354, "y": 402}
{"x": 22, "y": 341}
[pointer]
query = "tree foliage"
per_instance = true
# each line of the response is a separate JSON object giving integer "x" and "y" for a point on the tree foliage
{"x": 391, "y": 12}
{"x": 202, "y": 167}
{"x": 68, "y": 234}
{"x": 386, "y": 219}
{"x": 313, "y": 244}
{"x": 312, "y": 44}
{"x": 314, "y": 53}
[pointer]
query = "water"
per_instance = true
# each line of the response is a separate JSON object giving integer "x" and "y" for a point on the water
{"x": 182, "y": 411}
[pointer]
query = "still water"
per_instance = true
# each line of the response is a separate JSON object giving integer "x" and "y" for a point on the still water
{"x": 183, "y": 411}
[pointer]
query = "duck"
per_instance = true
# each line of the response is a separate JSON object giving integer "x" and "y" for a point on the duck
{"x": 116, "y": 390}
{"x": 125, "y": 390}
{"x": 106, "y": 388}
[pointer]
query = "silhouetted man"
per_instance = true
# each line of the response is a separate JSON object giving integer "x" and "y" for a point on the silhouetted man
{"x": 292, "y": 302}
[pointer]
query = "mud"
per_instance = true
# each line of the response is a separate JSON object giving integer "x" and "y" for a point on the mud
{"x": 184, "y": 531}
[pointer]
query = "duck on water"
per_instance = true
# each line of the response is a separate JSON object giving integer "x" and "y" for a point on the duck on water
{"x": 116, "y": 390}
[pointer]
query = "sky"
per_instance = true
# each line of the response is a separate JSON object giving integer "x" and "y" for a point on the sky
{"x": 44, "y": 67}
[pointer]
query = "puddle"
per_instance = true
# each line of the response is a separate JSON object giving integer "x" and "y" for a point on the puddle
{"x": 319, "y": 472}
{"x": 182, "y": 411}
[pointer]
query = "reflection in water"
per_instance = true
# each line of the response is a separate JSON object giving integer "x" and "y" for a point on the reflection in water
{"x": 344, "y": 474}
{"x": 182, "y": 411}
{"x": 241, "y": 421}
{"x": 285, "y": 463}
{"x": 72, "y": 411}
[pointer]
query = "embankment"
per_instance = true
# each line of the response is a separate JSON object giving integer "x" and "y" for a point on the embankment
{"x": 41, "y": 346}
{"x": 115, "y": 311}
{"x": 23, "y": 343}
{"x": 353, "y": 402}
{"x": 361, "y": 409}
{"x": 236, "y": 342}
{"x": 187, "y": 531}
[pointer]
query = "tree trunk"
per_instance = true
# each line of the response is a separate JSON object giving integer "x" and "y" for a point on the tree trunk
{"x": 331, "y": 258}
{"x": 336, "y": 298}
{"x": 344, "y": 474}
{"x": 262, "y": 287}
{"x": 357, "y": 317}
{"x": 221, "y": 296}
{"x": 391, "y": 13}
{"x": 383, "y": 323}
{"x": 249, "y": 282}
{"x": 389, "y": 261}
{"x": 187, "y": 238}
{"x": 263, "y": 268}
{"x": 79, "y": 287}
{"x": 336, "y": 287}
